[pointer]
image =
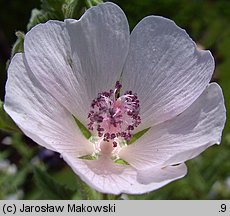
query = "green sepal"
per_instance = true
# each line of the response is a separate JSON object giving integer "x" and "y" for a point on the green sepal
{"x": 6, "y": 123}
{"x": 122, "y": 162}
{"x": 82, "y": 128}
{"x": 92, "y": 157}
{"x": 88, "y": 157}
{"x": 137, "y": 136}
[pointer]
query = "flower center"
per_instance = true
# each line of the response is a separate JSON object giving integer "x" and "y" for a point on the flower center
{"x": 114, "y": 116}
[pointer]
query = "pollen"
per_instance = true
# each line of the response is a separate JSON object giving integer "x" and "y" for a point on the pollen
{"x": 113, "y": 115}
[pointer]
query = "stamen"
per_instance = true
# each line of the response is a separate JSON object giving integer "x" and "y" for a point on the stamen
{"x": 114, "y": 116}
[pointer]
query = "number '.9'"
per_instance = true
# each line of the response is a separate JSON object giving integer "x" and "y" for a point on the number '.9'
{"x": 223, "y": 208}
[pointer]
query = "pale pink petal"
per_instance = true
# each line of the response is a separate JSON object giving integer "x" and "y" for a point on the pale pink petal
{"x": 100, "y": 42}
{"x": 165, "y": 69}
{"x": 108, "y": 177}
{"x": 48, "y": 54}
{"x": 158, "y": 174}
{"x": 76, "y": 59}
{"x": 38, "y": 114}
{"x": 182, "y": 137}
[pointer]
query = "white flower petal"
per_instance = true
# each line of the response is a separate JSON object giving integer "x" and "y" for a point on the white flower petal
{"x": 47, "y": 51}
{"x": 38, "y": 114}
{"x": 182, "y": 137}
{"x": 158, "y": 174}
{"x": 165, "y": 69}
{"x": 99, "y": 42}
{"x": 107, "y": 177}
{"x": 76, "y": 59}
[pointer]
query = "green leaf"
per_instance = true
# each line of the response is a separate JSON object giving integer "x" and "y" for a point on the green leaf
{"x": 39, "y": 16}
{"x": 137, "y": 136}
{"x": 82, "y": 190}
{"x": 67, "y": 177}
{"x": 60, "y": 10}
{"x": 50, "y": 187}
{"x": 21, "y": 147}
{"x": 74, "y": 8}
{"x": 6, "y": 123}
{"x": 50, "y": 10}
{"x": 4, "y": 154}
{"x": 82, "y": 128}
{"x": 20, "y": 177}
{"x": 86, "y": 192}
{"x": 91, "y": 3}
{"x": 52, "y": 5}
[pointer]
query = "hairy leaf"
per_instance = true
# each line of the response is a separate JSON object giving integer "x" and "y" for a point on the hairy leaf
{"x": 50, "y": 187}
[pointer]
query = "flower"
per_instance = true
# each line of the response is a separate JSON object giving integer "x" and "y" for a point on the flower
{"x": 91, "y": 73}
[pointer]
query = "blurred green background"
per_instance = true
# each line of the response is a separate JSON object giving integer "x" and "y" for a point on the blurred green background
{"x": 27, "y": 171}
